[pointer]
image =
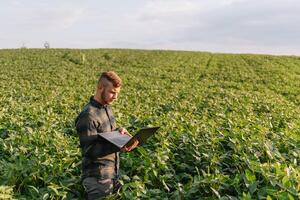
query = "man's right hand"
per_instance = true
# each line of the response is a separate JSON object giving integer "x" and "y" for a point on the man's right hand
{"x": 124, "y": 131}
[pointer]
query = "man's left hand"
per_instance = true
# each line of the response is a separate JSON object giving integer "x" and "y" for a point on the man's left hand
{"x": 132, "y": 145}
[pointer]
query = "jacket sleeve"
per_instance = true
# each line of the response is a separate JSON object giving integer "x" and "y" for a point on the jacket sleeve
{"x": 91, "y": 144}
{"x": 87, "y": 131}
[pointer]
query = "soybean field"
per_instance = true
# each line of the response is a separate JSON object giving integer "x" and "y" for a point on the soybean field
{"x": 230, "y": 123}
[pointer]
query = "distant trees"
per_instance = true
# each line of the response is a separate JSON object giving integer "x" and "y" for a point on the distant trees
{"x": 46, "y": 45}
{"x": 23, "y": 45}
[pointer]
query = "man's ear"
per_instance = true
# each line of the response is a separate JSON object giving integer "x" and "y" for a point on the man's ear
{"x": 100, "y": 87}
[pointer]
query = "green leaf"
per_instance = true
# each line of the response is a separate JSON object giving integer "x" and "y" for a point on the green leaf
{"x": 286, "y": 182}
{"x": 34, "y": 188}
{"x": 250, "y": 176}
{"x": 216, "y": 192}
{"x": 53, "y": 189}
{"x": 46, "y": 196}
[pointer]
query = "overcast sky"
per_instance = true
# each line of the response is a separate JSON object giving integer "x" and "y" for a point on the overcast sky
{"x": 253, "y": 26}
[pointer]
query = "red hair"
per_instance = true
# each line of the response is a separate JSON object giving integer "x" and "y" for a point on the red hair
{"x": 112, "y": 77}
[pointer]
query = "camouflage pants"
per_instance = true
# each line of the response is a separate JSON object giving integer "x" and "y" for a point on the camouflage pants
{"x": 96, "y": 189}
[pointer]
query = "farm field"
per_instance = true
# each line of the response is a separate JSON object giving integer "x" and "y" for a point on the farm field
{"x": 230, "y": 123}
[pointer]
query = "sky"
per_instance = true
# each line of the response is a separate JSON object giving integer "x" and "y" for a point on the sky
{"x": 230, "y": 26}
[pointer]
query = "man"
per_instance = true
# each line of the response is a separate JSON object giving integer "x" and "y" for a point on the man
{"x": 100, "y": 163}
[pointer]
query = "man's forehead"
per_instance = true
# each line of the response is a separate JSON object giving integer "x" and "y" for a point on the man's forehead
{"x": 114, "y": 89}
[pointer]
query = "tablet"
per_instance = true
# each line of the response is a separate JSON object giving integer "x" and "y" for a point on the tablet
{"x": 121, "y": 140}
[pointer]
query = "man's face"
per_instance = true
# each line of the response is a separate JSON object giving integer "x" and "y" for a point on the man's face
{"x": 109, "y": 93}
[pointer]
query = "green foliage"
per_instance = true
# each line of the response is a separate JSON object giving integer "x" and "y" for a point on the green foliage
{"x": 6, "y": 192}
{"x": 230, "y": 123}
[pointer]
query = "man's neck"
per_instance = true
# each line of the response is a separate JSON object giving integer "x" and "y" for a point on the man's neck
{"x": 99, "y": 100}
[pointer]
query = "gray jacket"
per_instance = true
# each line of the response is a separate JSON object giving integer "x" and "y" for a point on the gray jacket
{"x": 100, "y": 158}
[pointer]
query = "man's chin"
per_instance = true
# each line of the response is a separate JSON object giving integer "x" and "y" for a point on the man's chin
{"x": 110, "y": 102}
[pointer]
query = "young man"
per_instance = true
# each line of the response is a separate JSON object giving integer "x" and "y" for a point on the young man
{"x": 100, "y": 163}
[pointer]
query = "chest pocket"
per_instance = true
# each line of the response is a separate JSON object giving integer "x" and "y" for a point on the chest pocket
{"x": 113, "y": 122}
{"x": 107, "y": 121}
{"x": 112, "y": 119}
{"x": 104, "y": 125}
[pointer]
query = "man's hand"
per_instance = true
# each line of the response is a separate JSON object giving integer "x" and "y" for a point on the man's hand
{"x": 124, "y": 131}
{"x": 130, "y": 146}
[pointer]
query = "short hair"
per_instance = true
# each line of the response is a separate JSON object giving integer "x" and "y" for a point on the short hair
{"x": 112, "y": 77}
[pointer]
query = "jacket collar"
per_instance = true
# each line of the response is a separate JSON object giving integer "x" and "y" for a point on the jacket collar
{"x": 96, "y": 103}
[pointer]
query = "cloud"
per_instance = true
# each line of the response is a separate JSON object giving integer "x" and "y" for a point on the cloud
{"x": 61, "y": 17}
{"x": 215, "y": 25}
{"x": 32, "y": 16}
{"x": 219, "y": 24}
{"x": 260, "y": 23}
